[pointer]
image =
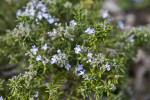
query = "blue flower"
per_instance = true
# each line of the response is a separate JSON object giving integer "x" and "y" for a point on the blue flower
{"x": 59, "y": 51}
{"x": 79, "y": 68}
{"x": 73, "y": 23}
{"x": 34, "y": 50}
{"x": 107, "y": 66}
{"x": 44, "y": 47}
{"x": 89, "y": 55}
{"x": 50, "y": 20}
{"x": 68, "y": 66}
{"x": 37, "y": 93}
{"x": 38, "y": 58}
{"x": 43, "y": 62}
{"x": 90, "y": 31}
{"x": 45, "y": 15}
{"x": 81, "y": 72}
{"x": 117, "y": 76}
{"x": 40, "y": 15}
{"x": 121, "y": 25}
{"x": 54, "y": 59}
{"x": 1, "y": 98}
{"x": 77, "y": 49}
{"x": 105, "y": 14}
{"x": 131, "y": 39}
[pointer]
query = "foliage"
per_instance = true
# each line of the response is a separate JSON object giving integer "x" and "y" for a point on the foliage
{"x": 64, "y": 52}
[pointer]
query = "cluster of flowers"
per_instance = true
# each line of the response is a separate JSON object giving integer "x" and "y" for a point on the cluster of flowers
{"x": 60, "y": 59}
{"x": 92, "y": 60}
{"x": 37, "y": 9}
{"x": 80, "y": 70}
{"x": 66, "y": 31}
{"x": 21, "y": 30}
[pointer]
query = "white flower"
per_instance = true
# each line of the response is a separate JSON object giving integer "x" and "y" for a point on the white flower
{"x": 44, "y": 47}
{"x": 105, "y": 14}
{"x": 54, "y": 59}
{"x": 38, "y": 58}
{"x": 73, "y": 23}
{"x": 68, "y": 66}
{"x": 89, "y": 55}
{"x": 77, "y": 49}
{"x": 34, "y": 50}
{"x": 90, "y": 31}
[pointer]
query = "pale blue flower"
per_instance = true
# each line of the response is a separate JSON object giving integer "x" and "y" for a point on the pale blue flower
{"x": 101, "y": 58}
{"x": 43, "y": 62}
{"x": 41, "y": 7}
{"x": 90, "y": 30}
{"x": 105, "y": 14}
{"x": 1, "y": 98}
{"x": 79, "y": 68}
{"x": 68, "y": 66}
{"x": 54, "y": 59}
{"x": 59, "y": 51}
{"x": 89, "y": 55}
{"x": 121, "y": 25}
{"x": 50, "y": 20}
{"x": 40, "y": 15}
{"x": 117, "y": 76}
{"x": 84, "y": 58}
{"x": 37, "y": 93}
{"x": 45, "y": 15}
{"x": 44, "y": 47}
{"x": 19, "y": 13}
{"x": 56, "y": 24}
{"x": 38, "y": 58}
{"x": 34, "y": 50}
{"x": 107, "y": 66}
{"x": 54, "y": 31}
{"x": 131, "y": 39}
{"x": 81, "y": 73}
{"x": 32, "y": 11}
{"x": 73, "y": 23}
{"x": 77, "y": 49}
{"x": 89, "y": 61}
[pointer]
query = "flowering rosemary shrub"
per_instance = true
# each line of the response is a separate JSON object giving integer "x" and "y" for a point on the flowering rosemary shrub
{"x": 65, "y": 50}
